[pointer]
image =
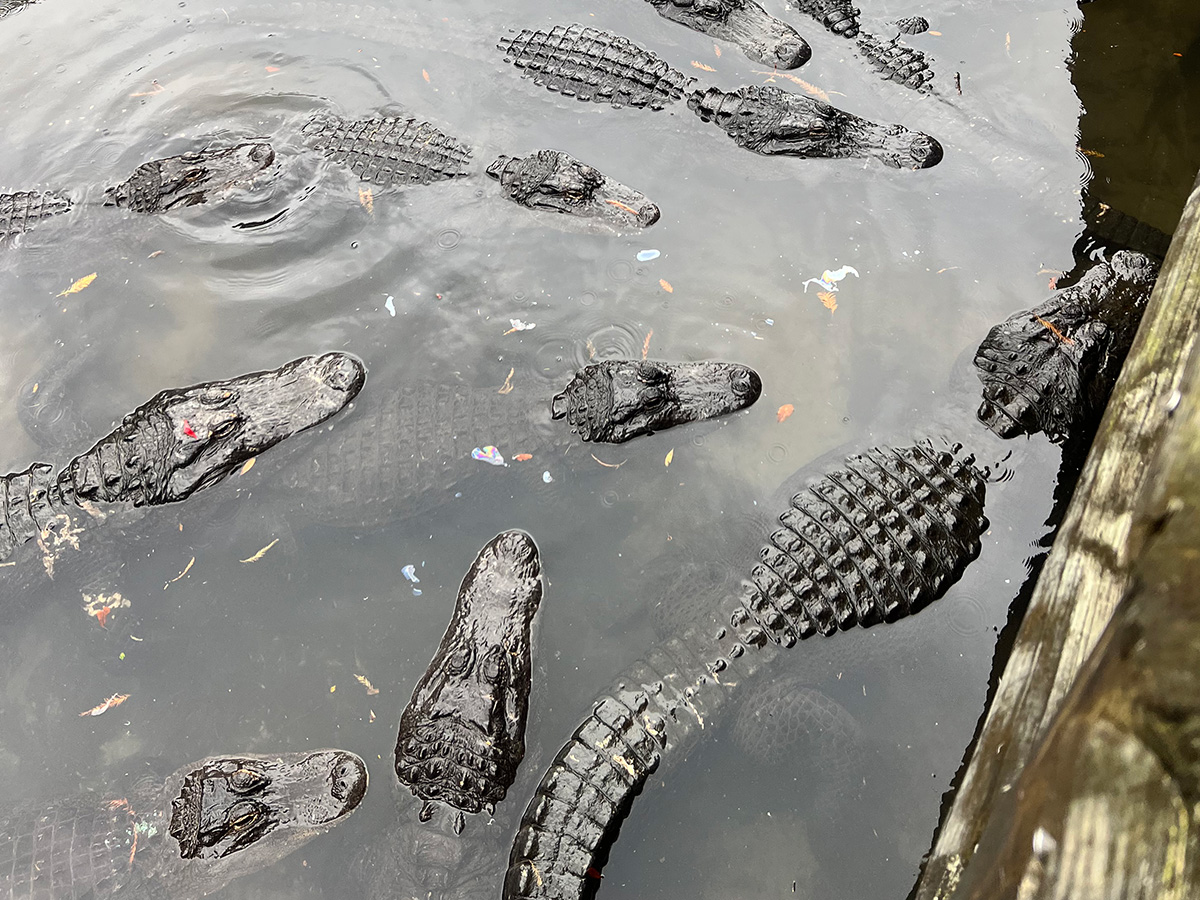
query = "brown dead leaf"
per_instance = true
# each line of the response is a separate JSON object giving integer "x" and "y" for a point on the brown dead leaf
{"x": 810, "y": 89}
{"x": 784, "y": 411}
{"x": 366, "y": 682}
{"x": 1058, "y": 334}
{"x": 607, "y": 465}
{"x": 79, "y": 285}
{"x": 157, "y": 89}
{"x": 186, "y": 569}
{"x": 522, "y": 457}
{"x": 646, "y": 343}
{"x": 272, "y": 69}
{"x": 367, "y": 199}
{"x": 507, "y": 387}
{"x": 934, "y": 33}
{"x": 591, "y": 349}
{"x": 716, "y": 49}
{"x": 619, "y": 205}
{"x": 247, "y": 465}
{"x": 425, "y": 75}
{"x": 1096, "y": 153}
{"x": 154, "y": 254}
{"x": 666, "y": 285}
{"x": 111, "y": 703}
{"x": 829, "y": 299}
{"x": 702, "y": 66}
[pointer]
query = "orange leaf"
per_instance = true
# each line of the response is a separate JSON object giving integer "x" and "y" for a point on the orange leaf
{"x": 829, "y": 299}
{"x": 367, "y": 199}
{"x": 784, "y": 411}
{"x": 425, "y": 75}
{"x": 272, "y": 68}
{"x": 521, "y": 457}
{"x": 111, "y": 703}
{"x": 619, "y": 205}
{"x": 102, "y": 615}
{"x": 79, "y": 285}
{"x": 507, "y": 387}
{"x": 1058, "y": 334}
{"x": 700, "y": 65}
{"x": 646, "y": 343}
{"x": 716, "y": 50}
{"x": 666, "y": 285}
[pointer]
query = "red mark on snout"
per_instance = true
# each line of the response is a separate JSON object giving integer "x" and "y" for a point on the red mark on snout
{"x": 187, "y": 429}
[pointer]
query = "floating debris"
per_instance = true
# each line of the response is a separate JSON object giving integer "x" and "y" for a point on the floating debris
{"x": 261, "y": 553}
{"x": 547, "y": 477}
{"x": 521, "y": 457}
{"x": 490, "y": 455}
{"x": 390, "y": 305}
{"x": 518, "y": 325}
{"x": 670, "y": 456}
{"x": 186, "y": 569}
{"x": 79, "y": 285}
{"x": 829, "y": 280}
{"x": 410, "y": 572}
{"x": 784, "y": 411}
{"x": 100, "y": 708}
{"x": 366, "y": 682}
{"x": 647, "y": 255}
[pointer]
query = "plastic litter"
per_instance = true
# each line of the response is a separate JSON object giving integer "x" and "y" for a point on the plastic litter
{"x": 547, "y": 477}
{"x": 647, "y": 255}
{"x": 828, "y": 280}
{"x": 490, "y": 455}
{"x": 410, "y": 572}
{"x": 390, "y": 306}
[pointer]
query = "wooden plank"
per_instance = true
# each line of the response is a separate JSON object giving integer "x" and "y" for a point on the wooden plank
{"x": 1089, "y": 567}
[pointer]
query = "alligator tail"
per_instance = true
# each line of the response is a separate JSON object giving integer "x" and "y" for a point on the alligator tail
{"x": 872, "y": 541}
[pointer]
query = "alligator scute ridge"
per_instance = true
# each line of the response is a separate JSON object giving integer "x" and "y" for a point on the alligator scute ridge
{"x": 874, "y": 540}
{"x": 594, "y": 65}
{"x": 839, "y": 16}
{"x": 22, "y": 210}
{"x": 206, "y": 824}
{"x": 389, "y": 150}
{"x": 896, "y": 62}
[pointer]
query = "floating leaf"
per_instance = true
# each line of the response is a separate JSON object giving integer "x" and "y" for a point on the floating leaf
{"x": 247, "y": 465}
{"x": 366, "y": 682}
{"x": 829, "y": 299}
{"x": 518, "y": 325}
{"x": 717, "y": 49}
{"x": 154, "y": 254}
{"x": 186, "y": 569}
{"x": 367, "y": 199}
{"x": 272, "y": 69}
{"x": 157, "y": 89}
{"x": 507, "y": 386}
{"x": 646, "y": 343}
{"x": 111, "y": 703}
{"x": 79, "y": 285}
{"x": 608, "y": 465}
{"x": 666, "y": 285}
{"x": 702, "y": 66}
{"x": 522, "y": 457}
{"x": 425, "y": 75}
{"x": 810, "y": 89}
{"x": 670, "y": 456}
{"x": 261, "y": 553}
{"x": 784, "y": 411}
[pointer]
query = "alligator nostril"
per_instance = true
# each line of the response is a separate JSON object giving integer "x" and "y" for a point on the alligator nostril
{"x": 648, "y": 214}
{"x": 925, "y": 151}
{"x": 342, "y": 372}
{"x": 349, "y": 782}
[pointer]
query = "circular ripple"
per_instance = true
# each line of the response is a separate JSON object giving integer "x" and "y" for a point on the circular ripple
{"x": 620, "y": 270}
{"x": 448, "y": 239}
{"x": 554, "y": 359}
{"x": 777, "y": 453}
{"x": 966, "y": 614}
{"x": 620, "y": 340}
{"x": 610, "y": 498}
{"x": 587, "y": 298}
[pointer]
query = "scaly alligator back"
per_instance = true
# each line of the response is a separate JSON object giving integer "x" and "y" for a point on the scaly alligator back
{"x": 406, "y": 453}
{"x": 389, "y": 150}
{"x": 590, "y": 64}
{"x": 21, "y": 211}
{"x": 874, "y": 540}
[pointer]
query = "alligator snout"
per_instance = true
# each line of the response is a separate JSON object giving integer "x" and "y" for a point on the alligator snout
{"x": 342, "y": 372}
{"x": 348, "y": 781}
{"x": 925, "y": 151}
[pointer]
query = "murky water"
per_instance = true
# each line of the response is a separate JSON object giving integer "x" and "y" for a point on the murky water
{"x": 264, "y": 656}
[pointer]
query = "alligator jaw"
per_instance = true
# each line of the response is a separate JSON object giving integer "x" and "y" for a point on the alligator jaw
{"x": 185, "y": 439}
{"x": 462, "y": 735}
{"x": 617, "y": 400}
{"x": 555, "y": 181}
{"x": 236, "y": 814}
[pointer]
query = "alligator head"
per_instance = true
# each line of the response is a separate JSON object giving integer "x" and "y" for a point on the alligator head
{"x": 462, "y": 735}
{"x": 186, "y": 439}
{"x": 555, "y": 181}
{"x": 743, "y": 22}
{"x": 231, "y": 815}
{"x": 769, "y": 120}
{"x": 617, "y": 400}
{"x": 164, "y": 184}
{"x": 1051, "y": 368}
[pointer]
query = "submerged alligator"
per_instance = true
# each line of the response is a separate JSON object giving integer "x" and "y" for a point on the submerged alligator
{"x": 602, "y": 67}
{"x": 177, "y": 443}
{"x": 208, "y": 823}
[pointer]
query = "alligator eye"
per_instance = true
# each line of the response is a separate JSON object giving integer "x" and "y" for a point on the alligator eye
{"x": 493, "y": 667}
{"x": 242, "y": 816}
{"x": 459, "y": 661}
{"x": 224, "y": 429}
{"x": 244, "y": 780}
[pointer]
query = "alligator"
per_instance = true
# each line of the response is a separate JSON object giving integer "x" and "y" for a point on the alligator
{"x": 157, "y": 186}
{"x": 874, "y": 540}
{"x": 385, "y": 150}
{"x": 208, "y": 823}
{"x": 179, "y": 442}
{"x": 462, "y": 735}
{"x": 433, "y": 429}
{"x": 760, "y": 35}
{"x": 1052, "y": 368}
{"x": 769, "y": 120}
{"x": 602, "y": 67}
{"x": 12, "y": 6}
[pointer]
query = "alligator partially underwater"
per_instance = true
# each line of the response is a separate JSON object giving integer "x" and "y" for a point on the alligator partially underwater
{"x": 183, "y": 838}
{"x": 179, "y": 442}
{"x": 602, "y": 67}
{"x": 461, "y": 737}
